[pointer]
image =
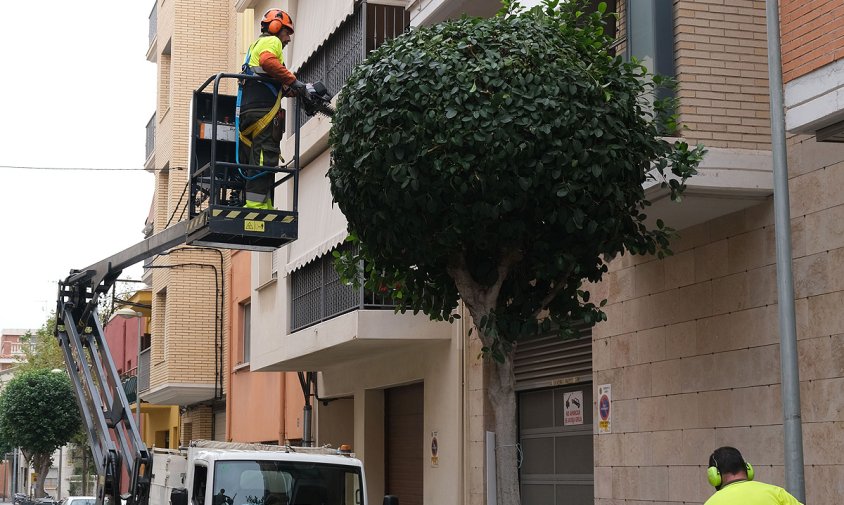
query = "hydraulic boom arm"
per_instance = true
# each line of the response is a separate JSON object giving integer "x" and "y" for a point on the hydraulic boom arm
{"x": 214, "y": 220}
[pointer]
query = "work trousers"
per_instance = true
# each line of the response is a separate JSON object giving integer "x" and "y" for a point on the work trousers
{"x": 265, "y": 152}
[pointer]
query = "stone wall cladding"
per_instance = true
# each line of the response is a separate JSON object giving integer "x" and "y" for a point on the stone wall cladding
{"x": 812, "y": 33}
{"x": 721, "y": 66}
{"x": 691, "y": 347}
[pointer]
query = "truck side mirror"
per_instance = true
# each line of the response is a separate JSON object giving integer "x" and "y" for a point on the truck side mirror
{"x": 391, "y": 499}
{"x": 179, "y": 496}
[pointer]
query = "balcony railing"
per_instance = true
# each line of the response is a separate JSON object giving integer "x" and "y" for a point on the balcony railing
{"x": 319, "y": 295}
{"x": 130, "y": 387}
{"x": 18, "y": 348}
{"x": 151, "y": 136}
{"x": 143, "y": 370}
{"x": 153, "y": 22}
{"x": 365, "y": 30}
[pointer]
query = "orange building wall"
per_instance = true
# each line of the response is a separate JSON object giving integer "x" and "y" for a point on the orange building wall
{"x": 256, "y": 407}
{"x": 812, "y": 33}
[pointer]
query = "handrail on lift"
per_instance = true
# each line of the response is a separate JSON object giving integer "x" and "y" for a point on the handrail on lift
{"x": 213, "y": 163}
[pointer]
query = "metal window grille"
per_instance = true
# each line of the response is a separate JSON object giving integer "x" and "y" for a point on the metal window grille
{"x": 319, "y": 295}
{"x": 365, "y": 30}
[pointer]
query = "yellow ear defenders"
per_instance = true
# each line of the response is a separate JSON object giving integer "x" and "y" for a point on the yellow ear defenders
{"x": 714, "y": 475}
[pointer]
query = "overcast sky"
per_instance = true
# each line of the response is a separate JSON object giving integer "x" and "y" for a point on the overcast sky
{"x": 76, "y": 91}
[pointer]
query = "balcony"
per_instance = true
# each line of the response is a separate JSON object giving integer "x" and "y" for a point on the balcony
{"x": 150, "y": 143}
{"x": 130, "y": 384}
{"x": 332, "y": 323}
{"x": 318, "y": 295}
{"x": 365, "y": 30}
{"x": 428, "y": 12}
{"x": 815, "y": 103}
{"x": 728, "y": 180}
{"x": 351, "y": 336}
{"x": 143, "y": 373}
{"x": 153, "y": 32}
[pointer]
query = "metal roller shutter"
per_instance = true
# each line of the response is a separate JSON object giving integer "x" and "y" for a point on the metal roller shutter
{"x": 551, "y": 361}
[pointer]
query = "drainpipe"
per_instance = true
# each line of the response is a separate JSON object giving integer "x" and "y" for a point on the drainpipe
{"x": 789, "y": 366}
{"x": 282, "y": 404}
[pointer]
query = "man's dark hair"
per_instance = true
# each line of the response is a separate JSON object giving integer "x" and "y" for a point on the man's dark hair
{"x": 727, "y": 460}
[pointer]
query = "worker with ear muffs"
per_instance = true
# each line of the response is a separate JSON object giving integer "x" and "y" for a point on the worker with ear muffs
{"x": 733, "y": 479}
{"x": 260, "y": 116}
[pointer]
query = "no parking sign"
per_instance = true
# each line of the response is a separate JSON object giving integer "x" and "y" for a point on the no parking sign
{"x": 604, "y": 408}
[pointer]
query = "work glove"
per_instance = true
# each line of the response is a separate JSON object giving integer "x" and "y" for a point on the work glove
{"x": 299, "y": 88}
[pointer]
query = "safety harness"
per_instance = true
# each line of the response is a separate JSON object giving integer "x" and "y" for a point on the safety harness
{"x": 258, "y": 126}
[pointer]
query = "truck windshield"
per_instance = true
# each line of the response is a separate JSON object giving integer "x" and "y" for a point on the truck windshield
{"x": 286, "y": 483}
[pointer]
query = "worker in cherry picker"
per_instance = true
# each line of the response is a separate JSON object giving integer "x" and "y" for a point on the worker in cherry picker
{"x": 261, "y": 119}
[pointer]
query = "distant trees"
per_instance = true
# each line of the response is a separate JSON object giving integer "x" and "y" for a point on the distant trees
{"x": 38, "y": 413}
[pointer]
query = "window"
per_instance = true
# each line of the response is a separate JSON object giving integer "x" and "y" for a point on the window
{"x": 200, "y": 477}
{"x": 282, "y": 482}
{"x": 650, "y": 35}
{"x": 246, "y": 334}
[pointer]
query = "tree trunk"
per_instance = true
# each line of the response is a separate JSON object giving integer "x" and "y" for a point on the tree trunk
{"x": 480, "y": 300}
{"x": 41, "y": 462}
{"x": 502, "y": 396}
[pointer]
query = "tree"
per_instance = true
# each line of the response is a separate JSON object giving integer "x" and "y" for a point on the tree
{"x": 38, "y": 413}
{"x": 44, "y": 352}
{"x": 501, "y": 162}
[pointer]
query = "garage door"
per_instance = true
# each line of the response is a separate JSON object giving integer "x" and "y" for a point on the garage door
{"x": 403, "y": 408}
{"x": 555, "y": 429}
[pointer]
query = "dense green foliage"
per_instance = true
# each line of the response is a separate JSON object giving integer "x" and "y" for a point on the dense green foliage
{"x": 38, "y": 412}
{"x": 513, "y": 149}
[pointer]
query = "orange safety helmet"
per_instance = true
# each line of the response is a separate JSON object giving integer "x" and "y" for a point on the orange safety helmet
{"x": 276, "y": 19}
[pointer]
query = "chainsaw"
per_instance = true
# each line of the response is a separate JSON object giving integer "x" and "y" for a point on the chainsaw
{"x": 317, "y": 100}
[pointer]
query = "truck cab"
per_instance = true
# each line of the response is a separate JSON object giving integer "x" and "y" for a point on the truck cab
{"x": 221, "y": 473}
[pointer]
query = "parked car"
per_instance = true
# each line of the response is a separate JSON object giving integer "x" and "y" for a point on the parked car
{"x": 79, "y": 500}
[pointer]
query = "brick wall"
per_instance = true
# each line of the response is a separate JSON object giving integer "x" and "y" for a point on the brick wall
{"x": 721, "y": 64}
{"x": 188, "y": 306}
{"x": 691, "y": 347}
{"x": 198, "y": 424}
{"x": 812, "y": 33}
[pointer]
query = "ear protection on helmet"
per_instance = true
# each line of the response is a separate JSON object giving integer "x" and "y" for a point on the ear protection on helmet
{"x": 276, "y": 19}
{"x": 713, "y": 475}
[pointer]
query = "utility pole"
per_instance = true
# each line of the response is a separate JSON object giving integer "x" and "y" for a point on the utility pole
{"x": 789, "y": 365}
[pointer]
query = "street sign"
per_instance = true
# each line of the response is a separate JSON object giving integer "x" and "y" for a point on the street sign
{"x": 604, "y": 408}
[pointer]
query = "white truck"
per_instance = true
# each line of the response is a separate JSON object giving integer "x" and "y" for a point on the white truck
{"x": 225, "y": 473}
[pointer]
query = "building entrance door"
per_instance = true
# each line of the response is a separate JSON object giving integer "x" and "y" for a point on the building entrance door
{"x": 403, "y": 418}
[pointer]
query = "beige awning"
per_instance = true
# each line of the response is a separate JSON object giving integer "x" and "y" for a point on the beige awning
{"x": 315, "y": 21}
{"x": 321, "y": 224}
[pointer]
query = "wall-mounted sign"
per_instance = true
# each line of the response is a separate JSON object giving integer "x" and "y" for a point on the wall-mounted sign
{"x": 573, "y": 409}
{"x": 604, "y": 408}
{"x": 435, "y": 450}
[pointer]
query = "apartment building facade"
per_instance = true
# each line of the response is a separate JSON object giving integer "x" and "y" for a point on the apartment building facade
{"x": 691, "y": 345}
{"x": 262, "y": 407}
{"x": 688, "y": 359}
{"x": 189, "y": 41}
{"x": 12, "y": 347}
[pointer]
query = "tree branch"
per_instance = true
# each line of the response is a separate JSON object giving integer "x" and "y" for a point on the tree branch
{"x": 559, "y": 285}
